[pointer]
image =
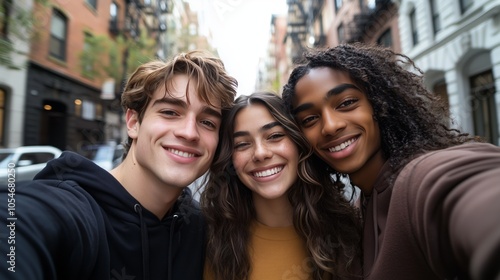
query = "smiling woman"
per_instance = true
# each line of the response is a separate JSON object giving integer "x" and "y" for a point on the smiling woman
{"x": 265, "y": 159}
{"x": 267, "y": 205}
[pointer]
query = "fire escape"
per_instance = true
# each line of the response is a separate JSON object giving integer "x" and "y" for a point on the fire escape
{"x": 359, "y": 28}
{"x": 304, "y": 27}
{"x": 149, "y": 14}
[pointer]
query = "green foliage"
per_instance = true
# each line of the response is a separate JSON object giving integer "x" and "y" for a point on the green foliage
{"x": 91, "y": 57}
{"x": 140, "y": 51}
{"x": 21, "y": 23}
{"x": 6, "y": 48}
{"x": 115, "y": 58}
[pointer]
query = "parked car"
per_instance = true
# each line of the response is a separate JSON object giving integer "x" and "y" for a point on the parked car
{"x": 107, "y": 156}
{"x": 24, "y": 162}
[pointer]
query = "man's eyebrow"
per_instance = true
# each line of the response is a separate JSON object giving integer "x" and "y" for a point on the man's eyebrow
{"x": 181, "y": 103}
{"x": 211, "y": 111}
{"x": 171, "y": 101}
{"x": 263, "y": 128}
{"x": 334, "y": 91}
{"x": 339, "y": 89}
{"x": 301, "y": 108}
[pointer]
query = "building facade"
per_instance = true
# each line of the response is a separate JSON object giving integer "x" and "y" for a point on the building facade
{"x": 68, "y": 93}
{"x": 456, "y": 43}
{"x": 13, "y": 77}
{"x": 274, "y": 63}
{"x": 63, "y": 104}
{"x": 328, "y": 23}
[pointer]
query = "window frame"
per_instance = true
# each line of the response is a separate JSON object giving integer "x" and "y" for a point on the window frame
{"x": 465, "y": 5}
{"x": 61, "y": 42}
{"x": 92, "y": 3}
{"x": 413, "y": 26}
{"x": 436, "y": 20}
{"x": 386, "y": 34}
{"x": 482, "y": 104}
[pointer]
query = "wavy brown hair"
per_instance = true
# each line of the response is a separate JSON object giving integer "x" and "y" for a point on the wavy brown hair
{"x": 411, "y": 119}
{"x": 213, "y": 83}
{"x": 322, "y": 215}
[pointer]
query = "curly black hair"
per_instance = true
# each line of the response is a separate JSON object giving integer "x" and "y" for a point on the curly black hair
{"x": 411, "y": 119}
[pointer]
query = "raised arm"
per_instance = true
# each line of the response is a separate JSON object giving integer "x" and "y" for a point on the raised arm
{"x": 54, "y": 231}
{"x": 454, "y": 209}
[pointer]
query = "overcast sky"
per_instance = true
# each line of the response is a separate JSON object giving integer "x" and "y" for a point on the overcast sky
{"x": 240, "y": 32}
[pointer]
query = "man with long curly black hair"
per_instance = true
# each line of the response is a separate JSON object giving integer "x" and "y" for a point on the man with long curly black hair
{"x": 429, "y": 193}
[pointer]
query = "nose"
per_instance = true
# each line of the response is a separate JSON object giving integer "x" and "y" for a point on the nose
{"x": 332, "y": 123}
{"x": 261, "y": 152}
{"x": 188, "y": 129}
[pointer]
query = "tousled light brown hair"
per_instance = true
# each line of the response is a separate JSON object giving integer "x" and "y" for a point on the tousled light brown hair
{"x": 213, "y": 83}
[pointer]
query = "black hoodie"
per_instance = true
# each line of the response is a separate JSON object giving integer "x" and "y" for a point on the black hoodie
{"x": 76, "y": 221}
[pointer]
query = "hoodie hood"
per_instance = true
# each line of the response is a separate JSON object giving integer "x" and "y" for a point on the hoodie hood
{"x": 101, "y": 185}
{"x": 140, "y": 244}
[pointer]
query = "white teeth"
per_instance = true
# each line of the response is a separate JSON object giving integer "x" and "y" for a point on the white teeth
{"x": 341, "y": 146}
{"x": 268, "y": 172}
{"x": 181, "y": 153}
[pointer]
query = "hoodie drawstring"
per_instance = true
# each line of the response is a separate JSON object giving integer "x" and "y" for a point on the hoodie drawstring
{"x": 145, "y": 243}
{"x": 375, "y": 225}
{"x": 170, "y": 242}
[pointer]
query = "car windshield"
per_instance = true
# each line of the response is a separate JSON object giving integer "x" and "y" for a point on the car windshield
{"x": 5, "y": 158}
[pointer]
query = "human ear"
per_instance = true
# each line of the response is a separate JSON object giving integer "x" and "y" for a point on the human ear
{"x": 132, "y": 120}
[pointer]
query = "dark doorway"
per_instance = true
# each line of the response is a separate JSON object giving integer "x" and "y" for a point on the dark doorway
{"x": 484, "y": 106}
{"x": 53, "y": 124}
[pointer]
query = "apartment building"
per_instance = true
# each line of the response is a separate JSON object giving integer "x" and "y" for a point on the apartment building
{"x": 456, "y": 43}
{"x": 13, "y": 72}
{"x": 78, "y": 60}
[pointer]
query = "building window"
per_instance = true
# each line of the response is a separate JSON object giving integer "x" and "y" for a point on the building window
{"x": 113, "y": 13}
{"x": 4, "y": 19}
{"x": 483, "y": 105}
{"x": 341, "y": 33}
{"x": 436, "y": 22}
{"x": 413, "y": 27}
{"x": 92, "y": 3}
{"x": 58, "y": 31}
{"x": 338, "y": 5}
{"x": 88, "y": 60}
{"x": 88, "y": 110}
{"x": 385, "y": 39}
{"x": 113, "y": 18}
{"x": 465, "y": 5}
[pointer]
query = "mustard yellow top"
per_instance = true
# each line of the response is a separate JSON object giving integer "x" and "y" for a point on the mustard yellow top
{"x": 275, "y": 253}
